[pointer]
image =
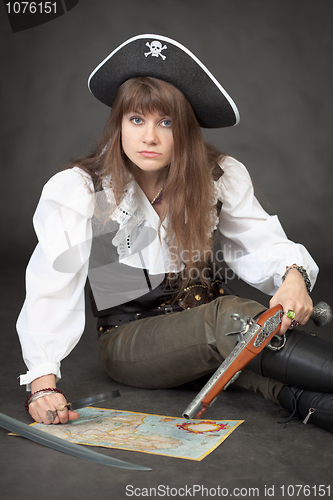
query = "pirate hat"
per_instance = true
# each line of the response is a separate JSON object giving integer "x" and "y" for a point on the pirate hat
{"x": 161, "y": 57}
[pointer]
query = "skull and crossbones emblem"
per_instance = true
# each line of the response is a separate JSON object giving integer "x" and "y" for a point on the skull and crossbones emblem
{"x": 155, "y": 49}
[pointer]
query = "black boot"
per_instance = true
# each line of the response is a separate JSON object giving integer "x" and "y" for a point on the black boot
{"x": 312, "y": 407}
{"x": 306, "y": 361}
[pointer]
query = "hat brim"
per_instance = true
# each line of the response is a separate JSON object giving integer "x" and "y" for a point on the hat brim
{"x": 173, "y": 63}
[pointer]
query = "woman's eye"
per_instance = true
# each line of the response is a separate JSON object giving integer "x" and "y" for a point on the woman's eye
{"x": 136, "y": 120}
{"x": 166, "y": 123}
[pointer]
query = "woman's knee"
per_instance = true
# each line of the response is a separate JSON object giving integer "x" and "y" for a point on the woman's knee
{"x": 225, "y": 308}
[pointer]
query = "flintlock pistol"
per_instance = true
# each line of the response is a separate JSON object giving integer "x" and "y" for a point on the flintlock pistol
{"x": 253, "y": 336}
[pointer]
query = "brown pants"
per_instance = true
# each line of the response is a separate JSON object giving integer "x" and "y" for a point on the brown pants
{"x": 172, "y": 349}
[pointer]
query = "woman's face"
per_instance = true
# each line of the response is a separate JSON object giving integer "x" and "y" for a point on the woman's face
{"x": 147, "y": 140}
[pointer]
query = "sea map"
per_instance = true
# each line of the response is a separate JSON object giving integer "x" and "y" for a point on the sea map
{"x": 170, "y": 436}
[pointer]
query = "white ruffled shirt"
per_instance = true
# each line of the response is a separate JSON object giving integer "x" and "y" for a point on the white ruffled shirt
{"x": 52, "y": 319}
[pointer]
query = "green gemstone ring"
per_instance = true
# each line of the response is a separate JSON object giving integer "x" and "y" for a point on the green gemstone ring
{"x": 291, "y": 314}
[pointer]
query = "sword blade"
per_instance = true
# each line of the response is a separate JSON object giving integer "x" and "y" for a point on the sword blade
{"x": 13, "y": 425}
{"x": 93, "y": 400}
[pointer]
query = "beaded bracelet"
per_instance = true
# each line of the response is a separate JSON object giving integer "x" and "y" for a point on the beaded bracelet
{"x": 304, "y": 274}
{"x": 41, "y": 393}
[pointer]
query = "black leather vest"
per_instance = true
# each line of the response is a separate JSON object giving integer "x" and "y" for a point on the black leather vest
{"x": 119, "y": 289}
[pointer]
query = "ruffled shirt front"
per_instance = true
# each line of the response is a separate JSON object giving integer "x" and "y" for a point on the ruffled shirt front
{"x": 52, "y": 319}
{"x": 138, "y": 223}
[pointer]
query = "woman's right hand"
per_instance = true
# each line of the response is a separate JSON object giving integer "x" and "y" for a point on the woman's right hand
{"x": 38, "y": 409}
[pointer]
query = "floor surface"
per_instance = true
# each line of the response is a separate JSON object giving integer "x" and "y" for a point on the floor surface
{"x": 261, "y": 458}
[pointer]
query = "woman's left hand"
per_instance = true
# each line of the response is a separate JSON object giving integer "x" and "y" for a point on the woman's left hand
{"x": 293, "y": 295}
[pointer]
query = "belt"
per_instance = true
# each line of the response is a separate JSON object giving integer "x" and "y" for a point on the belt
{"x": 114, "y": 320}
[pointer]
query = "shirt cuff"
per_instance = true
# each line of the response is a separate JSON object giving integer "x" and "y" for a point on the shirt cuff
{"x": 312, "y": 271}
{"x": 39, "y": 371}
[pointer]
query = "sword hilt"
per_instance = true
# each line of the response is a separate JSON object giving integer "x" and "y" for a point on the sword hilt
{"x": 322, "y": 314}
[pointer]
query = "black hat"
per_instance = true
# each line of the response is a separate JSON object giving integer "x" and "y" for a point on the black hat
{"x": 160, "y": 57}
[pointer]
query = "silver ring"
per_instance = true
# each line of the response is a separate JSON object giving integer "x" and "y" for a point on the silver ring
{"x": 51, "y": 415}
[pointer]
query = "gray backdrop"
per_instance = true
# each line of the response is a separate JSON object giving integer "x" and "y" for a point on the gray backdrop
{"x": 273, "y": 56}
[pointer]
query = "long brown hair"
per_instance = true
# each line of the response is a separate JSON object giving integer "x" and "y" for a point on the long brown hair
{"x": 189, "y": 187}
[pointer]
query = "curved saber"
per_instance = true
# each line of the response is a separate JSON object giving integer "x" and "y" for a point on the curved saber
{"x": 13, "y": 425}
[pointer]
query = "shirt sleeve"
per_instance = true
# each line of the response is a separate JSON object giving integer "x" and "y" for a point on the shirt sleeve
{"x": 254, "y": 244}
{"x": 52, "y": 319}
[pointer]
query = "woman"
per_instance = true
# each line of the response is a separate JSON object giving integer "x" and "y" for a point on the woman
{"x": 147, "y": 217}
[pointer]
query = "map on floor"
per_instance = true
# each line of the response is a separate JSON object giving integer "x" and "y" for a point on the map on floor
{"x": 169, "y": 436}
